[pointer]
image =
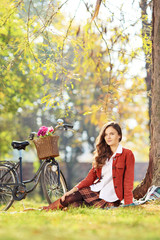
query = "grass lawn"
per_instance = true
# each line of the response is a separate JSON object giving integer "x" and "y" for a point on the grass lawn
{"x": 141, "y": 222}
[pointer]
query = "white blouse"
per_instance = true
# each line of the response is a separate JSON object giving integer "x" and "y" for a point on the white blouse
{"x": 106, "y": 186}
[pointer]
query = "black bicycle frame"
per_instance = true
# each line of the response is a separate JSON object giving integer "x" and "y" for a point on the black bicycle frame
{"x": 36, "y": 177}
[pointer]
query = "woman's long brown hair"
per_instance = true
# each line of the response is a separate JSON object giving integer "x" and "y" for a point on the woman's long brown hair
{"x": 103, "y": 150}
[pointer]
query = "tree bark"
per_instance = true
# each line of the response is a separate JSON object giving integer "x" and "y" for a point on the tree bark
{"x": 153, "y": 173}
{"x": 147, "y": 32}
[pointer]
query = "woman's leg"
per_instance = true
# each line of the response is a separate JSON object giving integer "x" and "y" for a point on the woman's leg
{"x": 76, "y": 204}
{"x": 71, "y": 199}
{"x": 53, "y": 206}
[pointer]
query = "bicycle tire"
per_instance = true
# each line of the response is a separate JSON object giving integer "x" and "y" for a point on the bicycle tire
{"x": 49, "y": 183}
{"x": 6, "y": 198}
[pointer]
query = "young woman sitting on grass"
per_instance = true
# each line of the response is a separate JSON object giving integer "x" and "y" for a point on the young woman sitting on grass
{"x": 111, "y": 178}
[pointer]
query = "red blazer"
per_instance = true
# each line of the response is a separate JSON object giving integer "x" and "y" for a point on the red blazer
{"x": 122, "y": 172}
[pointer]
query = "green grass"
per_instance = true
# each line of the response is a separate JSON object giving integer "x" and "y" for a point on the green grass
{"x": 141, "y": 222}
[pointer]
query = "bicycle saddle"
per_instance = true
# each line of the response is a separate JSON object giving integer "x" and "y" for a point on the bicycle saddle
{"x": 19, "y": 145}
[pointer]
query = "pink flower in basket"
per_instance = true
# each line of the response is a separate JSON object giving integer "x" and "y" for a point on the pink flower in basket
{"x": 51, "y": 129}
{"x": 45, "y": 131}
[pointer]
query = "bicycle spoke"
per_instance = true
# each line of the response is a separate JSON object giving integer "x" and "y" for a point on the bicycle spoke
{"x": 51, "y": 189}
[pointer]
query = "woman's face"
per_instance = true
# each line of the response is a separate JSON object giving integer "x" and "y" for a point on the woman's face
{"x": 111, "y": 136}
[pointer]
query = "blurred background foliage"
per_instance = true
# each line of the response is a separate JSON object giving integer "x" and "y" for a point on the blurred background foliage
{"x": 53, "y": 67}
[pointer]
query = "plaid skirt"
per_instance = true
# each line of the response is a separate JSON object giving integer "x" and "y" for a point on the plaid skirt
{"x": 92, "y": 199}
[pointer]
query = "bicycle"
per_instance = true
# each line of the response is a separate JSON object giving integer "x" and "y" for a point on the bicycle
{"x": 12, "y": 186}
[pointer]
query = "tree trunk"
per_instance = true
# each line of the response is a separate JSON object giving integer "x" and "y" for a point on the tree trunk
{"x": 146, "y": 32}
{"x": 153, "y": 172}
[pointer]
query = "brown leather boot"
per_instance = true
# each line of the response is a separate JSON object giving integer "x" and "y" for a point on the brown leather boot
{"x": 53, "y": 206}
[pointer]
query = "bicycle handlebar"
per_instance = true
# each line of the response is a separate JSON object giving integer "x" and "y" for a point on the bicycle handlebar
{"x": 65, "y": 126}
{"x": 32, "y": 135}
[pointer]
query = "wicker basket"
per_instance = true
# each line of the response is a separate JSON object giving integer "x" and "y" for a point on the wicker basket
{"x": 47, "y": 147}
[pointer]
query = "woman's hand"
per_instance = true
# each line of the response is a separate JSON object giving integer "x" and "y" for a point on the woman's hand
{"x": 65, "y": 195}
{"x": 68, "y": 193}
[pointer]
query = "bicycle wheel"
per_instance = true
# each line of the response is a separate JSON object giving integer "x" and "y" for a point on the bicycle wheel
{"x": 50, "y": 186}
{"x": 6, "y": 177}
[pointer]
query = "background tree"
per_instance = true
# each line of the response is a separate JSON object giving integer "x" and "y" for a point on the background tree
{"x": 17, "y": 78}
{"x": 81, "y": 71}
{"x": 153, "y": 172}
{"x": 147, "y": 47}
